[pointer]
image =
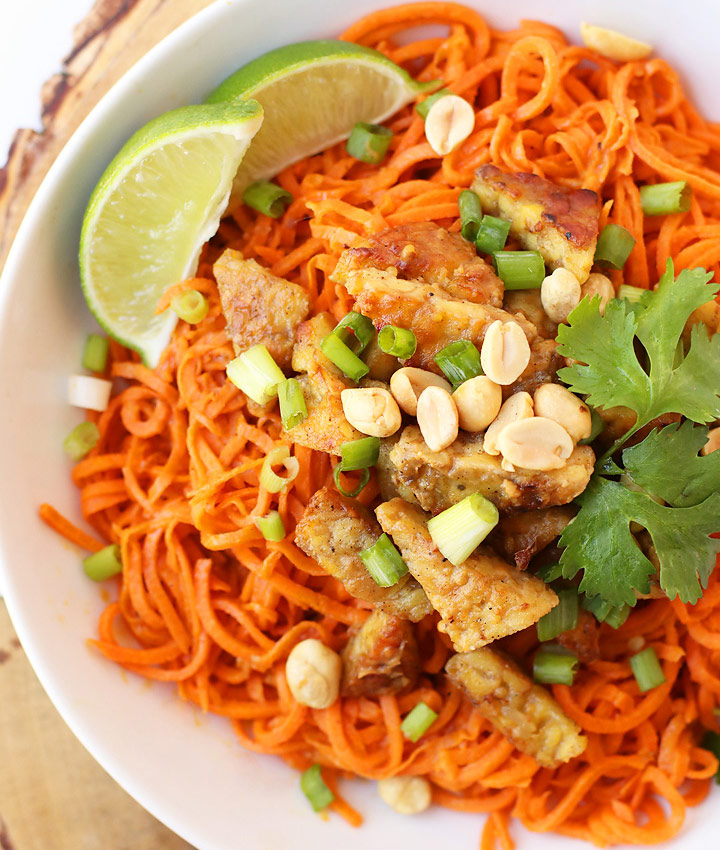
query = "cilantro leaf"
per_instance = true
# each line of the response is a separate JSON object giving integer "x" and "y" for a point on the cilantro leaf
{"x": 599, "y": 542}
{"x": 667, "y": 464}
{"x": 609, "y": 372}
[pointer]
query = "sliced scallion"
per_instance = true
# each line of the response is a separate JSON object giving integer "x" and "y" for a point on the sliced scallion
{"x": 95, "y": 353}
{"x": 562, "y": 618}
{"x": 553, "y": 666}
{"x": 424, "y": 106}
{"x": 267, "y": 198}
{"x": 270, "y": 480}
{"x": 418, "y": 721}
{"x": 617, "y": 615}
{"x": 314, "y": 788}
{"x": 399, "y": 342}
{"x": 647, "y": 670}
{"x": 614, "y": 246}
{"x": 271, "y": 526}
{"x": 492, "y": 234}
{"x": 383, "y": 561}
{"x": 470, "y": 214}
{"x": 362, "y": 483}
{"x": 369, "y": 142}
{"x": 604, "y": 612}
{"x": 256, "y": 374}
{"x": 80, "y": 440}
{"x": 459, "y": 361}
{"x": 520, "y": 269}
{"x": 191, "y": 306}
{"x": 711, "y": 742}
{"x": 356, "y": 331}
{"x": 459, "y": 530}
{"x": 347, "y": 362}
{"x": 360, "y": 454}
{"x": 634, "y": 294}
{"x": 293, "y": 409}
{"x": 103, "y": 564}
{"x": 666, "y": 198}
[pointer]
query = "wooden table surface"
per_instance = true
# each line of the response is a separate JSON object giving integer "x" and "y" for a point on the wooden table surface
{"x": 53, "y": 795}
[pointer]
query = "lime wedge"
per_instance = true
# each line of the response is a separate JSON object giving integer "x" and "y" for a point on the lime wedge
{"x": 313, "y": 93}
{"x": 157, "y": 203}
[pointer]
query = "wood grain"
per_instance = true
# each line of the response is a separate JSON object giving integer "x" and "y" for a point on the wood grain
{"x": 53, "y": 795}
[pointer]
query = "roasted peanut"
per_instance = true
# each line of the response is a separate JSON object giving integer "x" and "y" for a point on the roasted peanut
{"x": 505, "y": 352}
{"x": 598, "y": 284}
{"x": 313, "y": 672}
{"x": 448, "y": 123}
{"x": 560, "y": 294}
{"x": 557, "y": 403}
{"x": 518, "y": 406}
{"x": 536, "y": 443}
{"x": 478, "y": 403}
{"x": 407, "y": 795}
{"x": 713, "y": 442}
{"x": 372, "y": 410}
{"x": 408, "y": 383}
{"x": 613, "y": 44}
{"x": 437, "y": 417}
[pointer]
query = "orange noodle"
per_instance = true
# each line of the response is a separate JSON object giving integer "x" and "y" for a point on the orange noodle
{"x": 174, "y": 481}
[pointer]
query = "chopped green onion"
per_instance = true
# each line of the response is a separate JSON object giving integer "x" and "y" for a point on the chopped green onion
{"x": 103, "y": 564}
{"x": 470, "y": 214}
{"x": 520, "y": 269}
{"x": 383, "y": 561}
{"x": 617, "y": 615}
{"x": 80, "y": 440}
{"x": 191, "y": 306}
{"x": 666, "y": 198}
{"x": 271, "y": 526}
{"x": 459, "y": 361}
{"x": 634, "y": 294}
{"x": 550, "y": 573}
{"x": 356, "y": 331}
{"x": 562, "y": 618}
{"x": 95, "y": 353}
{"x": 360, "y": 454}
{"x": 647, "y": 670}
{"x": 604, "y": 612}
{"x": 597, "y": 426}
{"x": 369, "y": 142}
{"x": 256, "y": 374}
{"x": 338, "y": 353}
{"x": 351, "y": 494}
{"x": 459, "y": 530}
{"x": 400, "y": 342}
{"x": 267, "y": 198}
{"x": 492, "y": 235}
{"x": 711, "y": 742}
{"x": 271, "y": 481}
{"x": 418, "y": 721}
{"x": 554, "y": 666}
{"x": 293, "y": 409}
{"x": 614, "y": 246}
{"x": 424, "y": 106}
{"x": 314, "y": 788}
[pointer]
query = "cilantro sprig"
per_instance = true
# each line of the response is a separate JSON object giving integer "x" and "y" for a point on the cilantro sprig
{"x": 633, "y": 356}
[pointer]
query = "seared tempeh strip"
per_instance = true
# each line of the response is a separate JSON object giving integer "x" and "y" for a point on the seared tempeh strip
{"x": 430, "y": 253}
{"x": 479, "y": 601}
{"x": 259, "y": 307}
{"x": 524, "y": 712}
{"x": 441, "y": 479}
{"x": 561, "y": 223}
{"x": 380, "y": 658}
{"x": 334, "y": 530}
{"x": 521, "y": 536}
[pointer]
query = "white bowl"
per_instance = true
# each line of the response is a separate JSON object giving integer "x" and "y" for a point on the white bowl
{"x": 184, "y": 767}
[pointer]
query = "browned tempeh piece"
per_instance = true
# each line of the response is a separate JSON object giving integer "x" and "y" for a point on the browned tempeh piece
{"x": 259, "y": 306}
{"x": 334, "y": 530}
{"x": 521, "y": 536}
{"x": 524, "y": 712}
{"x": 479, "y": 601}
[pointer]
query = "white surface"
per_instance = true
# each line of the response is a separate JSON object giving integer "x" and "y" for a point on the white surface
{"x": 186, "y": 769}
{"x": 35, "y": 35}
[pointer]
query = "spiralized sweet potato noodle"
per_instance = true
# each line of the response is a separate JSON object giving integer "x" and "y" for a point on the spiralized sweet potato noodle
{"x": 215, "y": 608}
